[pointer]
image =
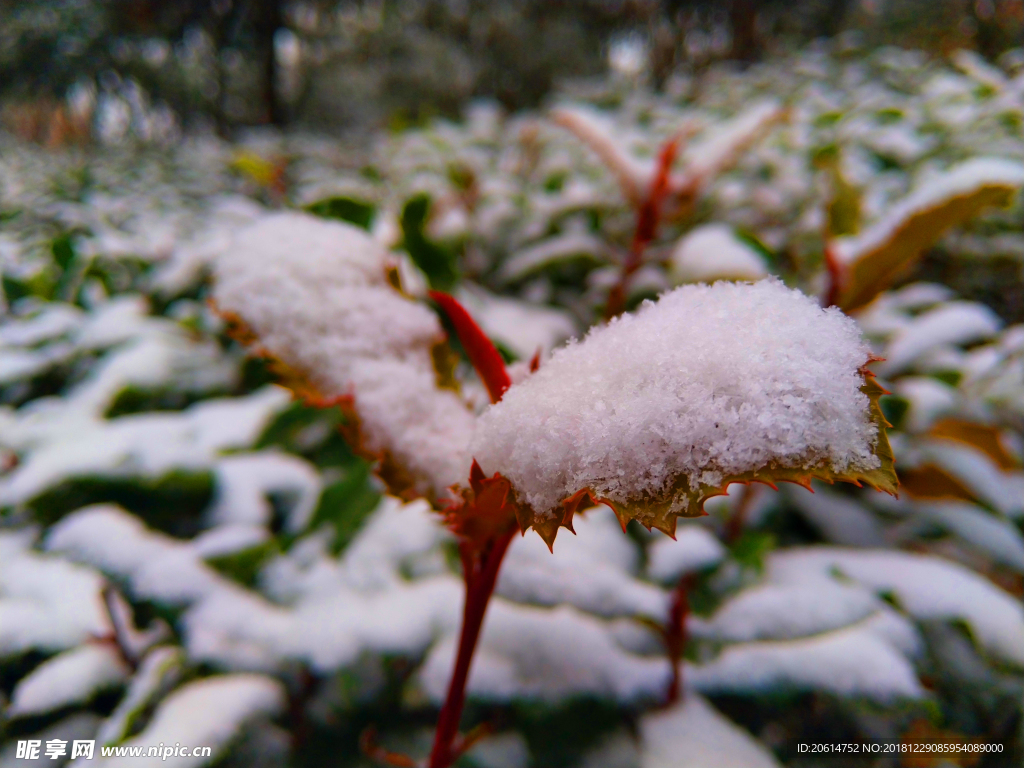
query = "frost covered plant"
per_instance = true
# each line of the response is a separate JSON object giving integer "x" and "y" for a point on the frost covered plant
{"x": 651, "y": 414}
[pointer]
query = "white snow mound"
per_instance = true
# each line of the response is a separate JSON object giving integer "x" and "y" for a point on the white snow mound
{"x": 709, "y": 382}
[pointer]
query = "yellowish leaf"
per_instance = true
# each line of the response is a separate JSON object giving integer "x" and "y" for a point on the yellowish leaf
{"x": 873, "y": 260}
{"x": 981, "y": 436}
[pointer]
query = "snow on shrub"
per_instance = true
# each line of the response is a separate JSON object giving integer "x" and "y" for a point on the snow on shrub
{"x": 710, "y": 385}
{"x": 315, "y": 295}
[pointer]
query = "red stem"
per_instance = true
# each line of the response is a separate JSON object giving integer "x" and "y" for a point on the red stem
{"x": 482, "y": 352}
{"x": 675, "y": 638}
{"x": 647, "y": 220}
{"x": 835, "y": 276}
{"x": 738, "y": 519}
{"x": 480, "y": 574}
{"x": 480, "y": 561}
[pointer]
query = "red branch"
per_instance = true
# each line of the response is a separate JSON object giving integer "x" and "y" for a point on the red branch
{"x": 480, "y": 571}
{"x": 835, "y": 276}
{"x": 647, "y": 220}
{"x": 674, "y": 637}
{"x": 482, "y": 352}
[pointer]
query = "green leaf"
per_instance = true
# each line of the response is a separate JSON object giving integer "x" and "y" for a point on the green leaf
{"x": 244, "y": 566}
{"x": 358, "y": 212}
{"x": 346, "y": 504}
{"x": 438, "y": 263}
{"x": 173, "y": 502}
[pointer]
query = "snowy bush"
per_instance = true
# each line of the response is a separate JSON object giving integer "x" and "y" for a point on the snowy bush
{"x": 252, "y": 455}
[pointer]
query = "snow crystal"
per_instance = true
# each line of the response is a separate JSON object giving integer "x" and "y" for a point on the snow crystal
{"x": 713, "y": 252}
{"x": 315, "y": 293}
{"x": 707, "y": 383}
{"x": 72, "y": 677}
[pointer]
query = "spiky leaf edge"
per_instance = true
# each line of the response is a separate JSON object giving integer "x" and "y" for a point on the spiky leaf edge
{"x": 682, "y": 501}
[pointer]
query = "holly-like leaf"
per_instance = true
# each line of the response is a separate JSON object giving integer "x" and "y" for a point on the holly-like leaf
{"x": 658, "y": 411}
{"x": 680, "y": 500}
{"x": 873, "y": 260}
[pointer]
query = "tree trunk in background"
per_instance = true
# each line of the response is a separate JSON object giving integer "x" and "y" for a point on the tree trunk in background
{"x": 269, "y": 19}
{"x": 743, "y": 19}
{"x": 832, "y": 24}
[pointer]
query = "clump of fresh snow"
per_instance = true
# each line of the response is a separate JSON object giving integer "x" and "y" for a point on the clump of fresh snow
{"x": 315, "y": 293}
{"x": 713, "y": 252}
{"x": 707, "y": 383}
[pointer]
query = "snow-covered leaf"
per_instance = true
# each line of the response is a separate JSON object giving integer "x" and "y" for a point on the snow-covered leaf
{"x": 210, "y": 712}
{"x": 159, "y": 670}
{"x": 924, "y": 586}
{"x": 71, "y": 677}
{"x": 693, "y": 734}
{"x": 660, "y": 410}
{"x": 874, "y": 258}
{"x": 547, "y": 655}
{"x": 853, "y": 662}
{"x": 713, "y": 252}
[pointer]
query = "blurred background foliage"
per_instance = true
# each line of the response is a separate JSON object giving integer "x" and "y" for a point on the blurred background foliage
{"x": 70, "y": 69}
